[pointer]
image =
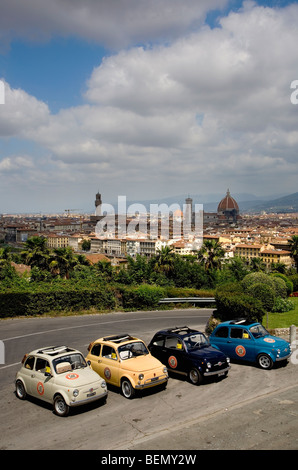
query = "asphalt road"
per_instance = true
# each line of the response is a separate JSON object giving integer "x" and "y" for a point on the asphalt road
{"x": 250, "y": 409}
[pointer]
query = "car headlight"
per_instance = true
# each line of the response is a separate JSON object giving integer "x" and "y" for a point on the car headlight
{"x": 141, "y": 376}
{"x": 208, "y": 365}
{"x": 75, "y": 392}
{"x": 165, "y": 370}
{"x": 103, "y": 384}
{"x": 228, "y": 359}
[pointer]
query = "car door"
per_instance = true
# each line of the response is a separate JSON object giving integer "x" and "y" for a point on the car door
{"x": 106, "y": 364}
{"x": 157, "y": 348}
{"x": 28, "y": 371}
{"x": 175, "y": 355}
{"x": 41, "y": 383}
{"x": 241, "y": 344}
{"x": 221, "y": 340}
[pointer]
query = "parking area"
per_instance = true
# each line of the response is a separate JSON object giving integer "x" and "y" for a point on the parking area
{"x": 250, "y": 408}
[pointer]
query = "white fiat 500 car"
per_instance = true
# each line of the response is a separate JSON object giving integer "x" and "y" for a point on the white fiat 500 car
{"x": 61, "y": 376}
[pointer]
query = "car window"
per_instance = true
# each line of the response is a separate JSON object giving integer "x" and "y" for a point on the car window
{"x": 173, "y": 342}
{"x": 258, "y": 330}
{"x": 108, "y": 352}
{"x": 138, "y": 348}
{"x": 195, "y": 341}
{"x": 96, "y": 349}
{"x": 41, "y": 365}
{"x": 239, "y": 333}
{"x": 222, "y": 332}
{"x": 158, "y": 340}
{"x": 69, "y": 362}
{"x": 29, "y": 363}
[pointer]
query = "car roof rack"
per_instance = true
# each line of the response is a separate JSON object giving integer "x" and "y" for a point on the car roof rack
{"x": 239, "y": 321}
{"x": 118, "y": 338}
{"x": 177, "y": 329}
{"x": 53, "y": 350}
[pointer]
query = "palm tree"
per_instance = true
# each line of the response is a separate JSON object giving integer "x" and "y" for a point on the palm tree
{"x": 36, "y": 252}
{"x": 165, "y": 259}
{"x": 257, "y": 265}
{"x": 211, "y": 254}
{"x": 293, "y": 244}
{"x": 63, "y": 261}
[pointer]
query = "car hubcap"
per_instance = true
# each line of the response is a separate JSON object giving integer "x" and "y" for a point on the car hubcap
{"x": 60, "y": 406}
{"x": 194, "y": 376}
{"x": 126, "y": 389}
{"x": 265, "y": 362}
{"x": 20, "y": 390}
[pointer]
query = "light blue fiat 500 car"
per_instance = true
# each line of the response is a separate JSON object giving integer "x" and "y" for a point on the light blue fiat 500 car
{"x": 248, "y": 341}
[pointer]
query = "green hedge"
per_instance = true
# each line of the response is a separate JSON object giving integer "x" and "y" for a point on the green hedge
{"x": 38, "y": 303}
{"x": 144, "y": 296}
{"x": 231, "y": 306}
{"x": 44, "y": 299}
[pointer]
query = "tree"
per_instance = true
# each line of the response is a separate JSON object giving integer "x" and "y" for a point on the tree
{"x": 237, "y": 267}
{"x": 86, "y": 244}
{"x": 257, "y": 265}
{"x": 211, "y": 254}
{"x": 63, "y": 261}
{"x": 293, "y": 244}
{"x": 164, "y": 260}
{"x": 36, "y": 253}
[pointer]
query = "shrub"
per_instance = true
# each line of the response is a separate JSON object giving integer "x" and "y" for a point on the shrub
{"x": 288, "y": 284}
{"x": 254, "y": 278}
{"x": 39, "y": 302}
{"x": 144, "y": 296}
{"x": 230, "y": 306}
{"x": 282, "y": 305}
{"x": 294, "y": 280}
{"x": 211, "y": 324}
{"x": 264, "y": 293}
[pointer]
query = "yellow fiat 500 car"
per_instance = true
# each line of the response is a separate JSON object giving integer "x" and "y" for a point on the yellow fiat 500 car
{"x": 125, "y": 362}
{"x": 61, "y": 376}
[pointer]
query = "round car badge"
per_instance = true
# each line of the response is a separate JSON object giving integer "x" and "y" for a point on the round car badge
{"x": 269, "y": 340}
{"x": 72, "y": 376}
{"x": 240, "y": 351}
{"x": 107, "y": 373}
{"x": 172, "y": 362}
{"x": 40, "y": 388}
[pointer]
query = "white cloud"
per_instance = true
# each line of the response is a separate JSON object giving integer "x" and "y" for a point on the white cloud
{"x": 211, "y": 106}
{"x": 116, "y": 23}
{"x": 21, "y": 113}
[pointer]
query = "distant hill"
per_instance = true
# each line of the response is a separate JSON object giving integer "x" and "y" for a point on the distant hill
{"x": 281, "y": 205}
{"x": 247, "y": 202}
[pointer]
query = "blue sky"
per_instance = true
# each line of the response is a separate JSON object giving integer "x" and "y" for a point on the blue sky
{"x": 106, "y": 96}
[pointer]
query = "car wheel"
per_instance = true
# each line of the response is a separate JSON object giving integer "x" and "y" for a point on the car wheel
{"x": 265, "y": 361}
{"x": 127, "y": 389}
{"x": 60, "y": 407}
{"x": 195, "y": 377}
{"x": 20, "y": 390}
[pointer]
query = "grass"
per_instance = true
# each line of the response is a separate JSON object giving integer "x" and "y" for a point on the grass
{"x": 283, "y": 320}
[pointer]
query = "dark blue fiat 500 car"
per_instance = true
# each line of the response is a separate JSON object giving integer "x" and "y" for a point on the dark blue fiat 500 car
{"x": 188, "y": 352}
{"x": 248, "y": 341}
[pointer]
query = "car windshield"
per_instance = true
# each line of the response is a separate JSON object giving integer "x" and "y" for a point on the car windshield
{"x": 69, "y": 362}
{"x": 196, "y": 340}
{"x": 258, "y": 330}
{"x": 130, "y": 350}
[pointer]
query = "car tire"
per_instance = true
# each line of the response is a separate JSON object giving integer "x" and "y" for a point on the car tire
{"x": 195, "y": 376}
{"x": 60, "y": 406}
{"x": 127, "y": 389}
{"x": 20, "y": 390}
{"x": 265, "y": 361}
